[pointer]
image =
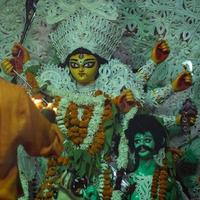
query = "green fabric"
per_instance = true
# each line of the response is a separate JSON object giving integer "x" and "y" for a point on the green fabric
{"x": 82, "y": 162}
{"x": 189, "y": 156}
{"x": 190, "y": 181}
{"x": 108, "y": 139}
{"x": 91, "y": 193}
{"x": 171, "y": 163}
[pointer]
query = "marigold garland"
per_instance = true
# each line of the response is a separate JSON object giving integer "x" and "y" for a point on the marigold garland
{"x": 154, "y": 186}
{"x": 177, "y": 154}
{"x": 77, "y": 128}
{"x": 105, "y": 182}
{"x": 163, "y": 183}
{"x": 107, "y": 188}
{"x": 87, "y": 126}
{"x": 96, "y": 111}
{"x": 159, "y": 182}
{"x": 160, "y": 177}
{"x": 99, "y": 138}
{"x": 47, "y": 189}
{"x": 35, "y": 89}
{"x": 30, "y": 77}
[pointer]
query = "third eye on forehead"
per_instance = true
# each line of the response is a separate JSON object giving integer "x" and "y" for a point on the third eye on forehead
{"x": 81, "y": 55}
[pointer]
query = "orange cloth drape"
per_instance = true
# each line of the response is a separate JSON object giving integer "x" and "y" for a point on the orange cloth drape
{"x": 21, "y": 123}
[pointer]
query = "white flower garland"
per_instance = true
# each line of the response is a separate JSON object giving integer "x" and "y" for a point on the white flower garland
{"x": 122, "y": 159}
{"x": 143, "y": 185}
{"x": 117, "y": 195}
{"x": 80, "y": 99}
{"x": 104, "y": 167}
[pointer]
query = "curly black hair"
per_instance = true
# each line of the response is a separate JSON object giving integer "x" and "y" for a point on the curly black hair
{"x": 142, "y": 123}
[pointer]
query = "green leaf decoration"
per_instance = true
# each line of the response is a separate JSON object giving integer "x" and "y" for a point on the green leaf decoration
{"x": 33, "y": 69}
{"x": 170, "y": 163}
{"x": 189, "y": 156}
{"x": 170, "y": 160}
{"x": 108, "y": 139}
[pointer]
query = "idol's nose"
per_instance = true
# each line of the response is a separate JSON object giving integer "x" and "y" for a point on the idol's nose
{"x": 81, "y": 68}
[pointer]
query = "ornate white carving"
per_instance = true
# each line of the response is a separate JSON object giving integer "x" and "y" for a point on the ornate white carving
{"x": 177, "y": 21}
{"x": 84, "y": 29}
{"x": 143, "y": 186}
{"x": 113, "y": 77}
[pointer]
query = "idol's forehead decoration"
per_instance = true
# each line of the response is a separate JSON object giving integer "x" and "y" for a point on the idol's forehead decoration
{"x": 88, "y": 30}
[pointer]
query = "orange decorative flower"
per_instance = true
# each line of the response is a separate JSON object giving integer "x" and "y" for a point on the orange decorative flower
{"x": 77, "y": 126}
{"x": 98, "y": 92}
{"x": 47, "y": 189}
{"x": 107, "y": 188}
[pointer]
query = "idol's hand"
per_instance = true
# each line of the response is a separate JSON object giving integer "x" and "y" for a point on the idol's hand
{"x": 7, "y": 67}
{"x": 19, "y": 51}
{"x": 182, "y": 82}
{"x": 127, "y": 101}
{"x": 192, "y": 119}
{"x": 20, "y": 57}
{"x": 160, "y": 52}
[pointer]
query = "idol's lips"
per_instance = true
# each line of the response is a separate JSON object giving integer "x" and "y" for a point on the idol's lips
{"x": 143, "y": 150}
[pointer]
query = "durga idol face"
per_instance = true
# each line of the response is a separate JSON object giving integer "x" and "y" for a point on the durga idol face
{"x": 84, "y": 68}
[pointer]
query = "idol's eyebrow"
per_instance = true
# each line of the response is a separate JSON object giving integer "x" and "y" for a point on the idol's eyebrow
{"x": 90, "y": 59}
{"x": 137, "y": 137}
{"x": 73, "y": 59}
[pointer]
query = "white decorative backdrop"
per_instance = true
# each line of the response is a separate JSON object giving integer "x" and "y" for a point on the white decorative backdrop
{"x": 177, "y": 21}
{"x": 145, "y": 21}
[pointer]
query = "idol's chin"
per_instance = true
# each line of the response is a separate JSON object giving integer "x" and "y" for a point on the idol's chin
{"x": 144, "y": 154}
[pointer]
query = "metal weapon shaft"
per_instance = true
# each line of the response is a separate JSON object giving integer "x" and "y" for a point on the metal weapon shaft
{"x": 30, "y": 13}
{"x": 24, "y": 80}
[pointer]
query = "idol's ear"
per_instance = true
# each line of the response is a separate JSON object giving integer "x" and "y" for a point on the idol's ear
{"x": 159, "y": 157}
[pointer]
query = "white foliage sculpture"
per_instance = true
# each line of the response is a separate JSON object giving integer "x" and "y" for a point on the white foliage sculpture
{"x": 145, "y": 21}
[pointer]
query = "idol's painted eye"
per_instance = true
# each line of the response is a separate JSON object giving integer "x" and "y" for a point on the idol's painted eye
{"x": 148, "y": 140}
{"x": 89, "y": 64}
{"x": 136, "y": 141}
{"x": 73, "y": 65}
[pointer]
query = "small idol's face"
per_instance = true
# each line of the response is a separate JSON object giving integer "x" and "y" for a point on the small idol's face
{"x": 84, "y": 68}
{"x": 144, "y": 144}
